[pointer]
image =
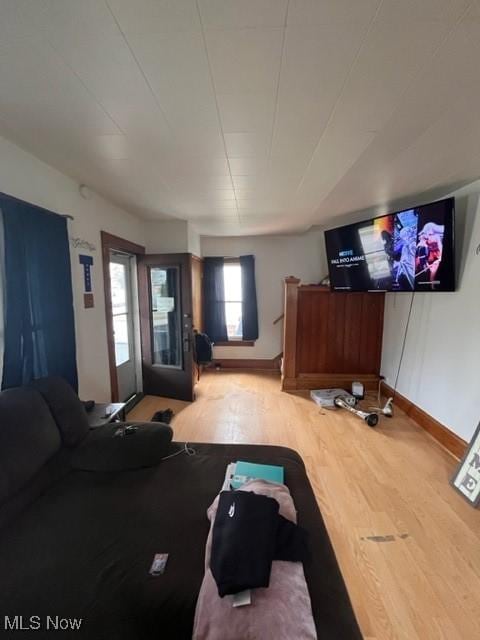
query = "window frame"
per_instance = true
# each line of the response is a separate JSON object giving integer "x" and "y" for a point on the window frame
{"x": 234, "y": 342}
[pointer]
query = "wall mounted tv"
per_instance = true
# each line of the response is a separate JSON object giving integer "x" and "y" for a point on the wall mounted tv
{"x": 410, "y": 250}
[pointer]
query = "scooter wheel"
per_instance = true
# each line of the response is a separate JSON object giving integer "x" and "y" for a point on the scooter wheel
{"x": 372, "y": 420}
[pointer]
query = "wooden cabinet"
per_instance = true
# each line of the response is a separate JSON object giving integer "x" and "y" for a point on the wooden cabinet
{"x": 331, "y": 339}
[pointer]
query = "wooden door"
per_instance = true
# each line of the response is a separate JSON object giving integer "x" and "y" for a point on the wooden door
{"x": 165, "y": 299}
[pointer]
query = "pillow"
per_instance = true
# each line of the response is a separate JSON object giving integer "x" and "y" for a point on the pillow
{"x": 144, "y": 446}
{"x": 66, "y": 408}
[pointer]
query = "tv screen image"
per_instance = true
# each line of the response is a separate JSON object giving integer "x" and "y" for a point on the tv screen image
{"x": 410, "y": 250}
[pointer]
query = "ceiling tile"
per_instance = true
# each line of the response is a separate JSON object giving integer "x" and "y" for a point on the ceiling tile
{"x": 383, "y": 72}
{"x": 249, "y": 166}
{"x": 196, "y": 212}
{"x": 382, "y": 175}
{"x": 112, "y": 146}
{"x": 268, "y": 224}
{"x": 203, "y": 199}
{"x": 216, "y": 221}
{"x": 353, "y": 117}
{"x": 21, "y": 18}
{"x": 177, "y": 70}
{"x": 244, "y": 145}
{"x": 203, "y": 166}
{"x": 331, "y": 12}
{"x": 155, "y": 16}
{"x": 245, "y": 183}
{"x": 240, "y": 112}
{"x": 221, "y": 195}
{"x": 245, "y": 60}
{"x": 317, "y": 59}
{"x": 260, "y": 215}
{"x": 339, "y": 150}
{"x": 189, "y": 139}
{"x": 106, "y": 67}
{"x": 217, "y": 227}
{"x": 299, "y": 123}
{"x": 238, "y": 14}
{"x": 69, "y": 18}
{"x": 39, "y": 90}
{"x": 397, "y": 12}
{"x": 254, "y": 193}
{"x": 201, "y": 183}
{"x": 316, "y": 66}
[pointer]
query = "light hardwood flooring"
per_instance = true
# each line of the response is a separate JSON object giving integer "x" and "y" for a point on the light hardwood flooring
{"x": 407, "y": 544}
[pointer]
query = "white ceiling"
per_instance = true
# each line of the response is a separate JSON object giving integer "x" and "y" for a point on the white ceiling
{"x": 246, "y": 116}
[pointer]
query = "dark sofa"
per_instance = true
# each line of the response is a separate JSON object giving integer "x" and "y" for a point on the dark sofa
{"x": 79, "y": 543}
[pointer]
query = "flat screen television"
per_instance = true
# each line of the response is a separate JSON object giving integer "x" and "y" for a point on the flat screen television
{"x": 410, "y": 250}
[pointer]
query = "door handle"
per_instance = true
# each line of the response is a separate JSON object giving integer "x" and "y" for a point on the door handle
{"x": 187, "y": 342}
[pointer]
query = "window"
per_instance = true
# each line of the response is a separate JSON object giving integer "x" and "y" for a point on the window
{"x": 230, "y": 300}
{"x": 118, "y": 285}
{"x": 166, "y": 320}
{"x": 232, "y": 279}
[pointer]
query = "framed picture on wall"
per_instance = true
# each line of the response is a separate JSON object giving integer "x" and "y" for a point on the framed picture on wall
{"x": 467, "y": 477}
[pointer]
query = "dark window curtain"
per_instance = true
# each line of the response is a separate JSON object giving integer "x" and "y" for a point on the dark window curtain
{"x": 39, "y": 326}
{"x": 249, "y": 298}
{"x": 214, "y": 300}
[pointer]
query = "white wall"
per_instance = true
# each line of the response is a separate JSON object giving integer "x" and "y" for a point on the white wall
{"x": 24, "y": 176}
{"x": 276, "y": 257}
{"x": 171, "y": 236}
{"x": 194, "y": 245}
{"x": 440, "y": 368}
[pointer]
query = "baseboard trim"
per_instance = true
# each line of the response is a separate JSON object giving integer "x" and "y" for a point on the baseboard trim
{"x": 330, "y": 380}
{"x": 258, "y": 364}
{"x": 449, "y": 440}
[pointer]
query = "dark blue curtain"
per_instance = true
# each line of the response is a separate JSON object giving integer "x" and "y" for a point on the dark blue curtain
{"x": 214, "y": 300}
{"x": 39, "y": 321}
{"x": 249, "y": 298}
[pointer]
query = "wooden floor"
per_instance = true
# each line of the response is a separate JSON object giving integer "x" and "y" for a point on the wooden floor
{"x": 407, "y": 544}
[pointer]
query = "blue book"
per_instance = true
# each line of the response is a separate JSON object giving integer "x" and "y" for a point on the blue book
{"x": 245, "y": 471}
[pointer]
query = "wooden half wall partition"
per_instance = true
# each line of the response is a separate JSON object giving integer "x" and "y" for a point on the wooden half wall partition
{"x": 330, "y": 339}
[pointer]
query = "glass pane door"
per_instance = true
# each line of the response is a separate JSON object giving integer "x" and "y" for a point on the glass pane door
{"x": 165, "y": 303}
{"x": 118, "y": 279}
{"x": 123, "y": 324}
{"x": 165, "y": 316}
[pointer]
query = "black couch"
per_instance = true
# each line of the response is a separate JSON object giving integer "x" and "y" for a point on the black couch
{"x": 78, "y": 543}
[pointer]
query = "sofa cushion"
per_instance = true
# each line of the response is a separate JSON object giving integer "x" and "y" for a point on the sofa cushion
{"x": 144, "y": 446}
{"x": 29, "y": 437}
{"x": 66, "y": 407}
